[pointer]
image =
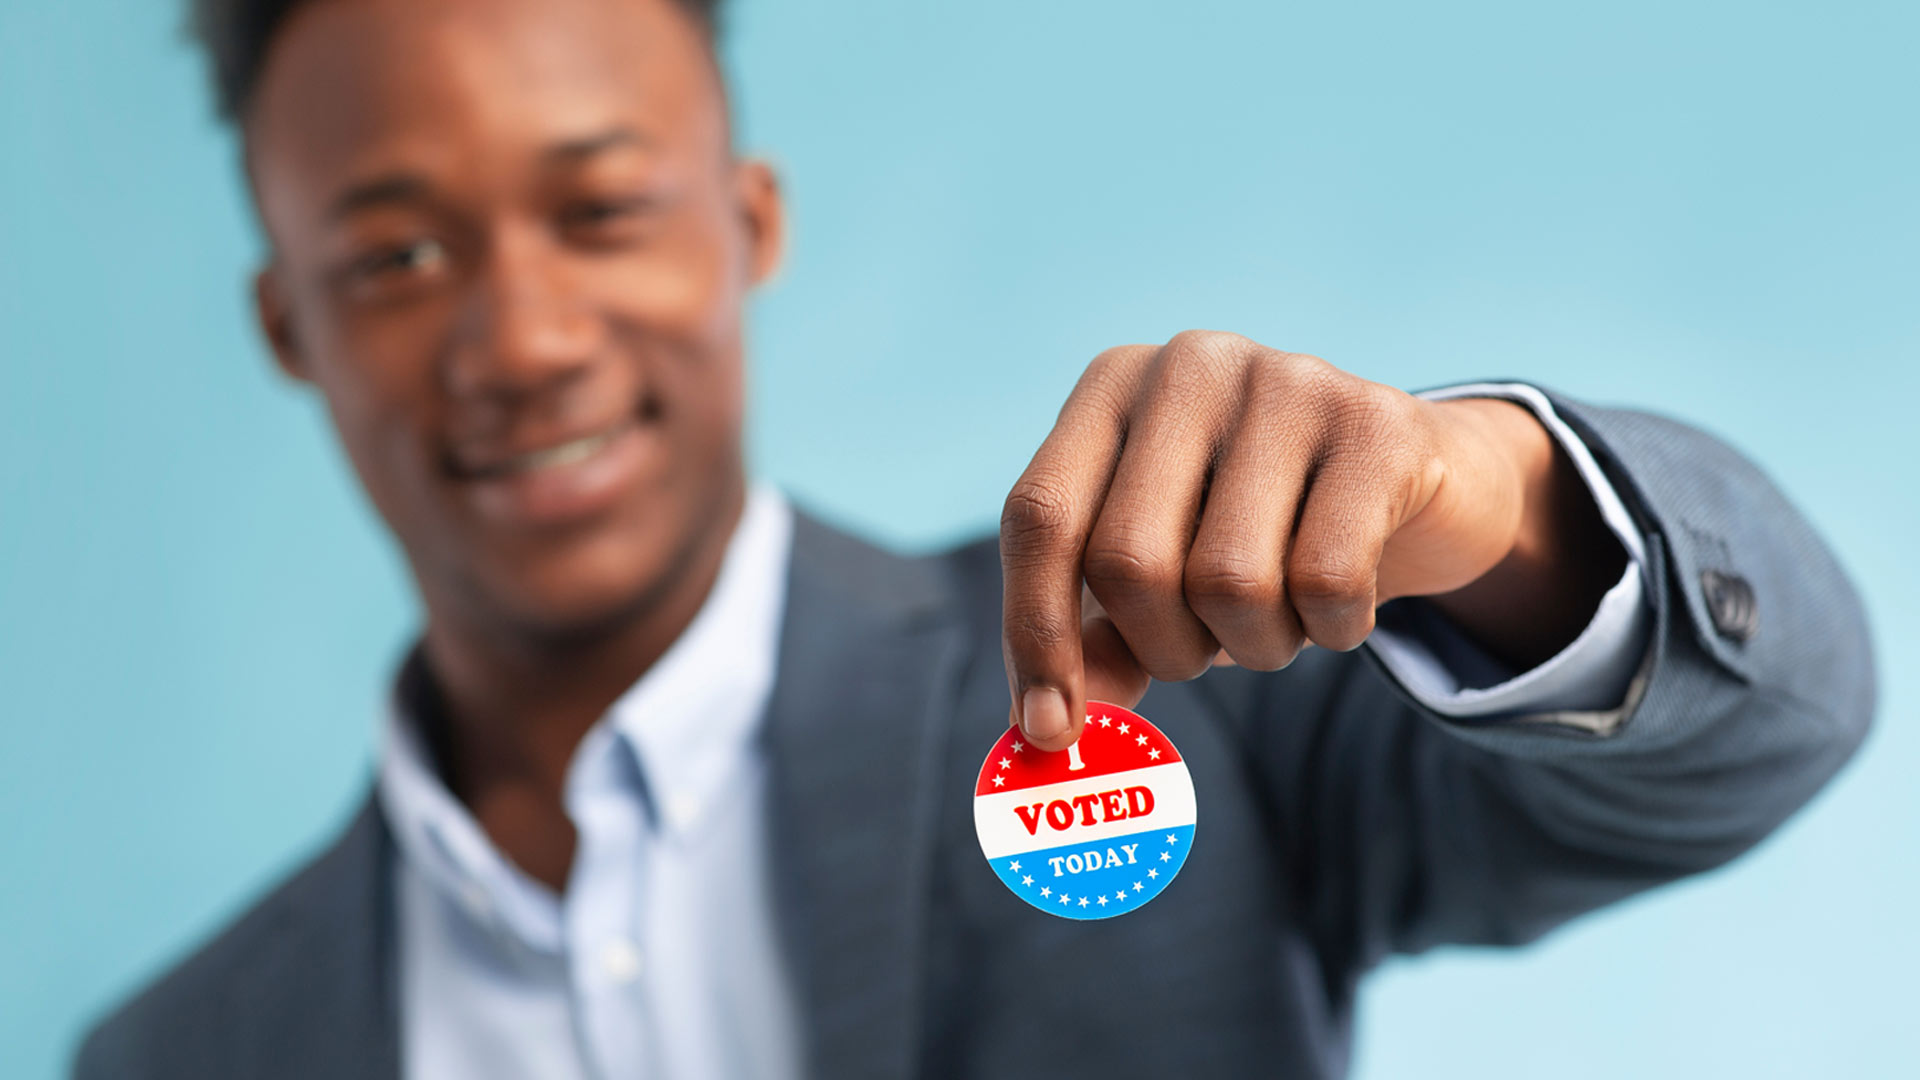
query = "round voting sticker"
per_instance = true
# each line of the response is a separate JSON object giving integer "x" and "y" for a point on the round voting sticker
{"x": 1094, "y": 830}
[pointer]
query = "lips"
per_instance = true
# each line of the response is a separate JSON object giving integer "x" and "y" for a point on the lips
{"x": 485, "y": 466}
{"x": 566, "y": 482}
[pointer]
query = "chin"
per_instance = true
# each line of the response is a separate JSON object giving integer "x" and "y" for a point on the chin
{"x": 592, "y": 582}
{"x": 596, "y": 585}
{"x": 587, "y": 594}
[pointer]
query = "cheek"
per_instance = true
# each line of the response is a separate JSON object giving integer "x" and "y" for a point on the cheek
{"x": 701, "y": 392}
{"x": 690, "y": 281}
{"x": 376, "y": 374}
{"x": 686, "y": 296}
{"x": 373, "y": 360}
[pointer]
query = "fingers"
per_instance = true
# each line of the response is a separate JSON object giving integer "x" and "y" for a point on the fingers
{"x": 1221, "y": 502}
{"x": 1043, "y": 535}
{"x": 1137, "y": 554}
{"x": 1355, "y": 504}
{"x": 1112, "y": 672}
{"x": 1235, "y": 580}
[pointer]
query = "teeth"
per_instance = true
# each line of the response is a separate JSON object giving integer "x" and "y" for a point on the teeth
{"x": 564, "y": 454}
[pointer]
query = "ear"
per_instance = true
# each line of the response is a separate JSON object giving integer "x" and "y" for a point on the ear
{"x": 275, "y": 316}
{"x": 757, "y": 193}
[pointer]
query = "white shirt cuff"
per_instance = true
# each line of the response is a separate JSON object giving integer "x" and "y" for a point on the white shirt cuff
{"x": 1449, "y": 674}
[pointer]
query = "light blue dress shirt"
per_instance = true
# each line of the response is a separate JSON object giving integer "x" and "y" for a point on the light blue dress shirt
{"x": 661, "y": 959}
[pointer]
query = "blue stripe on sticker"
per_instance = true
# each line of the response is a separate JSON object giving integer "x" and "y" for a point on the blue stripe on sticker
{"x": 1097, "y": 880}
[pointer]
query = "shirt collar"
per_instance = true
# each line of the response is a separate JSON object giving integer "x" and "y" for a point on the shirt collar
{"x": 689, "y": 721}
{"x": 691, "y": 718}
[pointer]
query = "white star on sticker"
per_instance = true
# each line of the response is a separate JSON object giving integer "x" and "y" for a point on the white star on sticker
{"x": 1083, "y": 901}
{"x": 1103, "y": 899}
{"x": 1140, "y": 739}
{"x": 1014, "y": 866}
{"x": 1172, "y": 839}
{"x": 1028, "y": 880}
{"x": 1018, "y": 746}
{"x": 1136, "y": 885}
{"x": 1166, "y": 856}
{"x": 1123, "y": 727}
{"x": 1064, "y": 898}
{"x": 1154, "y": 753}
{"x": 1106, "y": 721}
{"x": 999, "y": 781}
{"x": 1004, "y": 762}
{"x": 1121, "y": 895}
{"x": 1045, "y": 891}
{"x": 1152, "y": 872}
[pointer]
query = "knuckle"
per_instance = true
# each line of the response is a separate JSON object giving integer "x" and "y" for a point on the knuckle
{"x": 1109, "y": 398}
{"x": 1218, "y": 342}
{"x": 1345, "y": 632}
{"x": 1216, "y": 580}
{"x": 1179, "y": 655}
{"x": 1303, "y": 364}
{"x": 1113, "y": 566}
{"x": 1305, "y": 371}
{"x": 1118, "y": 360}
{"x": 1369, "y": 410}
{"x": 1268, "y": 655}
{"x": 1279, "y": 399}
{"x": 1195, "y": 354}
{"x": 1330, "y": 582}
{"x": 1307, "y": 386}
{"x": 1180, "y": 668}
{"x": 1104, "y": 385}
{"x": 1036, "y": 509}
{"x": 1279, "y": 365}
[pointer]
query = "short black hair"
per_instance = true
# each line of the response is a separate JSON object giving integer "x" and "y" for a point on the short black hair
{"x": 237, "y": 34}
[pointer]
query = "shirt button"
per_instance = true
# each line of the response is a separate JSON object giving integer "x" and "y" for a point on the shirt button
{"x": 474, "y": 896}
{"x": 681, "y": 810}
{"x": 620, "y": 960}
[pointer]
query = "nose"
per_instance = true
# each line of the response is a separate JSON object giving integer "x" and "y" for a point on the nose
{"x": 525, "y": 327}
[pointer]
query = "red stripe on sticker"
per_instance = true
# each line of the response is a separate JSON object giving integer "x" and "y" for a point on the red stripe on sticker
{"x": 1114, "y": 740}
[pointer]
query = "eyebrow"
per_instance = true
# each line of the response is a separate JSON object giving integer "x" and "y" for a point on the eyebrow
{"x": 599, "y": 142}
{"x": 395, "y": 188}
{"x": 407, "y": 188}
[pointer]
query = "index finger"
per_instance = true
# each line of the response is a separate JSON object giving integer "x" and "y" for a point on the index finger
{"x": 1043, "y": 537}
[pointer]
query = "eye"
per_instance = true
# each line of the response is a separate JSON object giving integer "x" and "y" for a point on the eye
{"x": 602, "y": 210}
{"x": 607, "y": 220}
{"x": 417, "y": 257}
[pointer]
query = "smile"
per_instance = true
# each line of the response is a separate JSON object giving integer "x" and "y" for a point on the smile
{"x": 568, "y": 483}
{"x": 553, "y": 457}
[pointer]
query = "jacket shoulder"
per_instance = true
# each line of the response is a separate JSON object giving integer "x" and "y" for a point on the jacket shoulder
{"x": 225, "y": 1004}
{"x": 863, "y": 572}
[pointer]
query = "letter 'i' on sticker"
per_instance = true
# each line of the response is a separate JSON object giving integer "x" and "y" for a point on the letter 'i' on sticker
{"x": 1092, "y": 831}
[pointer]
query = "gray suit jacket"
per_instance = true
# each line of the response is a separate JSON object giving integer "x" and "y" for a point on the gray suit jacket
{"x": 1339, "y": 822}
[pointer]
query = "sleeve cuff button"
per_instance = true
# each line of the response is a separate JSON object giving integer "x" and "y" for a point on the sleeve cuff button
{"x": 1731, "y": 605}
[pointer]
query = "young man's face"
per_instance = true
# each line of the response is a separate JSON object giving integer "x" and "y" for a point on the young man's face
{"x": 510, "y": 247}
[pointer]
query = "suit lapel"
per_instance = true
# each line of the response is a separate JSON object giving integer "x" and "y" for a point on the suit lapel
{"x": 323, "y": 997}
{"x": 871, "y": 651}
{"x": 870, "y": 655}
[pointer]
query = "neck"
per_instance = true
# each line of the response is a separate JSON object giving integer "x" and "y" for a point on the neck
{"x": 517, "y": 703}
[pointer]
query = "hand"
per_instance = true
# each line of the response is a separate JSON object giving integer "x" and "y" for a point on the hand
{"x": 1214, "y": 500}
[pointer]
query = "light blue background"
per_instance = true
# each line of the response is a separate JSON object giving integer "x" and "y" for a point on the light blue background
{"x": 1709, "y": 208}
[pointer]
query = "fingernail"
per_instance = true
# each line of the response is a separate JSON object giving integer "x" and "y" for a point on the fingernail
{"x": 1043, "y": 713}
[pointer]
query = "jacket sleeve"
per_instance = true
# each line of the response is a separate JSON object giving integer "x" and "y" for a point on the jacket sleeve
{"x": 1404, "y": 829}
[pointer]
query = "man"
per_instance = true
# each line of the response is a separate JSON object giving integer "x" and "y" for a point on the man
{"x": 677, "y": 781}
